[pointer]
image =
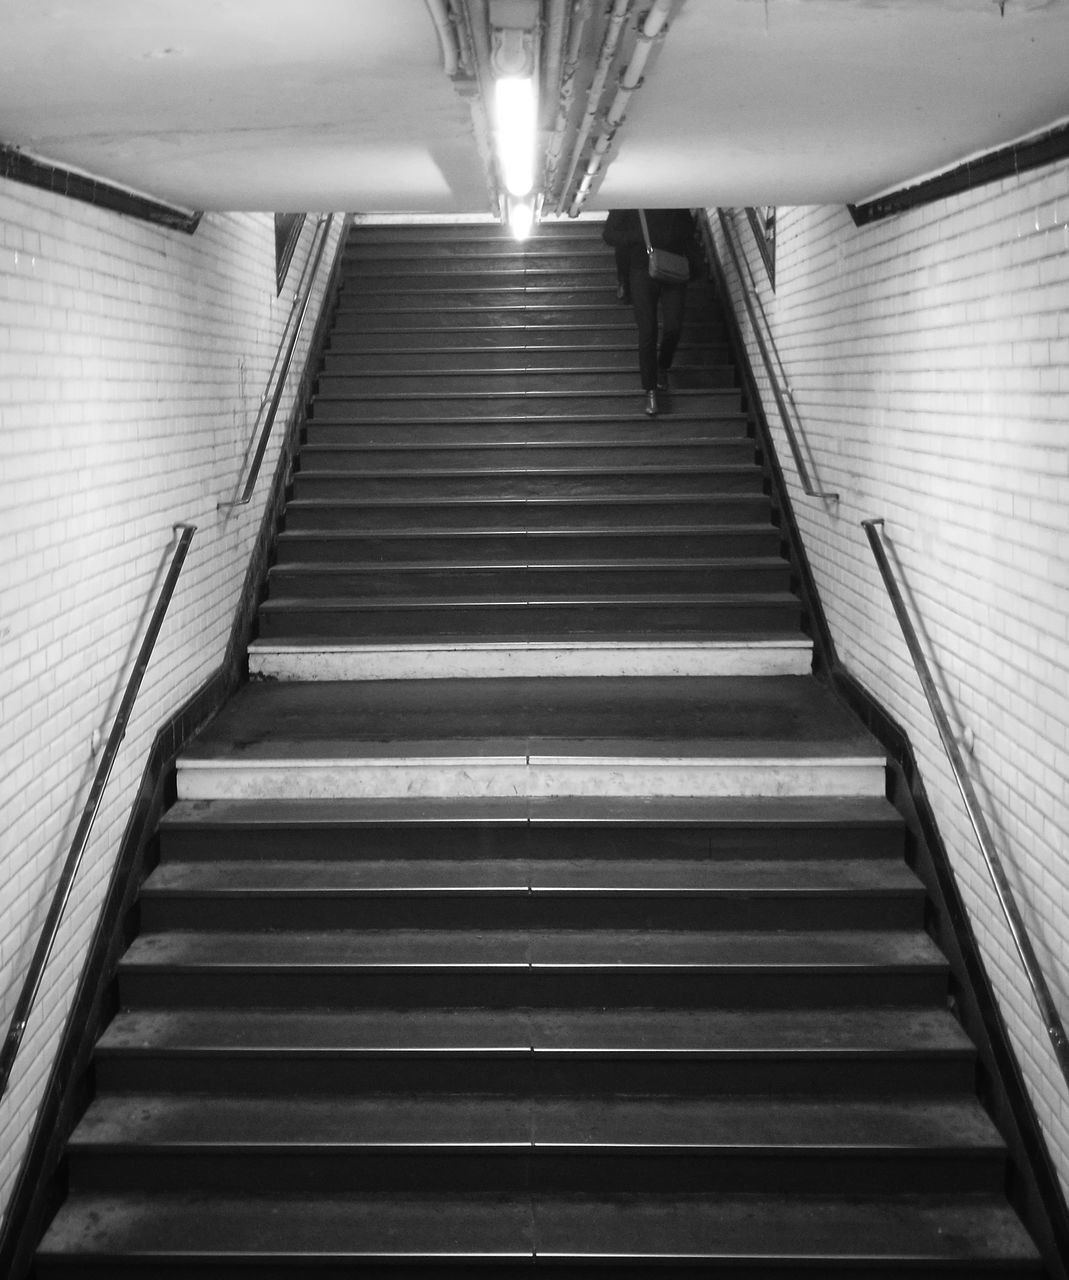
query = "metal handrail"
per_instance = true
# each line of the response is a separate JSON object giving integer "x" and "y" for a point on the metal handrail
{"x": 808, "y": 486}
{"x": 1044, "y": 999}
{"x": 50, "y": 929}
{"x": 323, "y": 226}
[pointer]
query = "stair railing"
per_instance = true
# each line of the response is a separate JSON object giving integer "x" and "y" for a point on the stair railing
{"x": 1014, "y": 920}
{"x": 50, "y": 929}
{"x": 809, "y": 488}
{"x": 323, "y": 227}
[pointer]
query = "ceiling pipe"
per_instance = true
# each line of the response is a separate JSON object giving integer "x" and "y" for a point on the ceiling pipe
{"x": 439, "y": 12}
{"x": 556, "y": 28}
{"x": 618, "y": 16}
{"x": 652, "y": 28}
{"x": 580, "y": 16}
{"x": 458, "y": 21}
{"x": 473, "y": 39}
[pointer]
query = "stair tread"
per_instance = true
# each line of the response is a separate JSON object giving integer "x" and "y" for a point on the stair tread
{"x": 619, "y": 447}
{"x": 714, "y": 812}
{"x": 326, "y": 604}
{"x": 973, "y": 1228}
{"x": 471, "y": 1120}
{"x": 756, "y": 1033}
{"x": 664, "y": 876}
{"x": 604, "y": 949}
{"x": 564, "y": 500}
{"x": 536, "y": 535}
{"x": 688, "y": 471}
{"x": 658, "y": 563}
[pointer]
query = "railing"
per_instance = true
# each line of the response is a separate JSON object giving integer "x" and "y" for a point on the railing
{"x": 808, "y": 487}
{"x": 1044, "y": 999}
{"x": 50, "y": 929}
{"x": 308, "y": 279}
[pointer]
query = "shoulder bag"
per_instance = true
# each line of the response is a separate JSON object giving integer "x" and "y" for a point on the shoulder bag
{"x": 668, "y": 268}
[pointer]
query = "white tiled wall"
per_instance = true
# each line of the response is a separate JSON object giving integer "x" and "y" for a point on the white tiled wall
{"x": 133, "y": 361}
{"x": 928, "y": 360}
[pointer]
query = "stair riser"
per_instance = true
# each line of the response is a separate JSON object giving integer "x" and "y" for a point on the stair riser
{"x": 500, "y": 988}
{"x": 583, "y": 354}
{"x": 472, "y": 278}
{"x": 541, "y": 910}
{"x": 516, "y": 514}
{"x": 485, "y": 236}
{"x": 457, "y": 1266}
{"x": 542, "y": 1074}
{"x": 326, "y": 1172}
{"x": 545, "y": 432}
{"x": 445, "y": 405}
{"x": 490, "y": 548}
{"x": 522, "y": 841}
{"x": 580, "y": 256}
{"x": 395, "y": 314}
{"x": 700, "y": 336}
{"x": 617, "y": 378}
{"x": 530, "y": 622}
{"x": 494, "y": 459}
{"x": 537, "y": 291}
{"x": 311, "y": 486}
{"x": 513, "y": 582}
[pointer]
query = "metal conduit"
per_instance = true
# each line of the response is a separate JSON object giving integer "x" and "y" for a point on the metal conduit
{"x": 621, "y": 11}
{"x": 648, "y": 33}
{"x": 556, "y": 26}
{"x": 581, "y": 10}
{"x": 439, "y": 12}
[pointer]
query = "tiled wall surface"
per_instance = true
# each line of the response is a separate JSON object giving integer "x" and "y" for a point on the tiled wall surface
{"x": 133, "y": 361}
{"x": 928, "y": 361}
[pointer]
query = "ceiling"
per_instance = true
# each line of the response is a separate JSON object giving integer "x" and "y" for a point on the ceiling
{"x": 344, "y": 104}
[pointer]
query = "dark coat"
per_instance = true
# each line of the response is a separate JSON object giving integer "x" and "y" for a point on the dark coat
{"x": 671, "y": 229}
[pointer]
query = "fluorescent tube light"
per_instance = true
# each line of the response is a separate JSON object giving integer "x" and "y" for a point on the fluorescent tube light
{"x": 521, "y": 218}
{"x": 514, "y": 102}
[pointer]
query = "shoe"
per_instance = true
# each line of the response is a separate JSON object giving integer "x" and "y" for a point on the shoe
{"x": 651, "y": 403}
{"x": 623, "y": 293}
{"x": 662, "y": 379}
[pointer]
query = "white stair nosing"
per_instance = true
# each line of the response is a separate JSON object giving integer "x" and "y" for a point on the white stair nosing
{"x": 529, "y": 659}
{"x": 531, "y": 776}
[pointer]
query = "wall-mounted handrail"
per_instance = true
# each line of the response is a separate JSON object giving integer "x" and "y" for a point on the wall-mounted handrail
{"x": 808, "y": 487}
{"x": 323, "y": 227}
{"x": 1018, "y": 930}
{"x": 50, "y": 929}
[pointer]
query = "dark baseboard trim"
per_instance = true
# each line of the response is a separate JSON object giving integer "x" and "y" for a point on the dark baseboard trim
{"x": 1045, "y": 149}
{"x": 1034, "y": 1189}
{"x": 16, "y": 166}
{"x": 41, "y": 1183}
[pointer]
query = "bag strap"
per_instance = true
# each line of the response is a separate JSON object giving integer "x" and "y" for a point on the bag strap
{"x": 645, "y": 230}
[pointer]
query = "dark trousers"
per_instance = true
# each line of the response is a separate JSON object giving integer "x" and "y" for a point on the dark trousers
{"x": 646, "y": 296}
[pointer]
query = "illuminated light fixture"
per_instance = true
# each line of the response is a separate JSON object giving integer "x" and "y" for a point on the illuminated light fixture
{"x": 517, "y": 123}
{"x": 521, "y": 218}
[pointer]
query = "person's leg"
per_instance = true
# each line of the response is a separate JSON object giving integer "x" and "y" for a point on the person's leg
{"x": 673, "y": 302}
{"x": 644, "y": 292}
{"x": 623, "y": 272}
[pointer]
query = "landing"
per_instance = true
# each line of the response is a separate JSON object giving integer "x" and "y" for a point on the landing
{"x": 747, "y": 736}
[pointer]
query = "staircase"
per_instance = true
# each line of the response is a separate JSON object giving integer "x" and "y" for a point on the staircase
{"x": 533, "y": 907}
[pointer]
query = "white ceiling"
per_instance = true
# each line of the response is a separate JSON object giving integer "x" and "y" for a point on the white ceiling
{"x": 343, "y": 104}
